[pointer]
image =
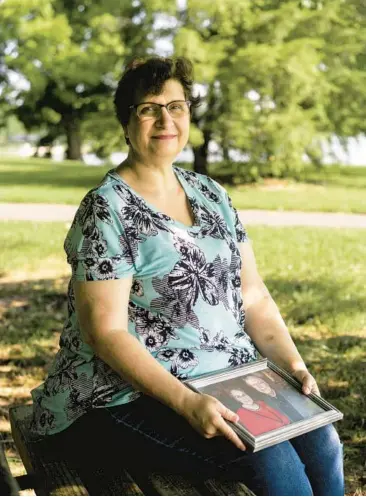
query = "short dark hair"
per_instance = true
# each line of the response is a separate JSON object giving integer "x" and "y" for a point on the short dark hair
{"x": 148, "y": 75}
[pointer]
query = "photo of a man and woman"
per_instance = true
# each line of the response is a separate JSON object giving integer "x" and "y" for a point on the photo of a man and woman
{"x": 267, "y": 401}
{"x": 256, "y": 415}
{"x": 263, "y": 403}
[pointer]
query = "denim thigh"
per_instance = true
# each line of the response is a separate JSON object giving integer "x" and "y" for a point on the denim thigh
{"x": 322, "y": 453}
{"x": 165, "y": 441}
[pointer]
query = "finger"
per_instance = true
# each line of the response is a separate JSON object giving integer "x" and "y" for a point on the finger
{"x": 315, "y": 389}
{"x": 308, "y": 384}
{"x": 227, "y": 414}
{"x": 230, "y": 434}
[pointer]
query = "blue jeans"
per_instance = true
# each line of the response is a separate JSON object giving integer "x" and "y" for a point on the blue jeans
{"x": 158, "y": 439}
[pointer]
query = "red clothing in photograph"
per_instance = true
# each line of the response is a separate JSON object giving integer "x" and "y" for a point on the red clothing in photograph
{"x": 265, "y": 419}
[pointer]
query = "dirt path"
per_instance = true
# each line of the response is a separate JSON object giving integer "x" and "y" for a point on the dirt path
{"x": 59, "y": 212}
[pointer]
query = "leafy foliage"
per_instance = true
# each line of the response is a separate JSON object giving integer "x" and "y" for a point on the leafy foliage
{"x": 279, "y": 77}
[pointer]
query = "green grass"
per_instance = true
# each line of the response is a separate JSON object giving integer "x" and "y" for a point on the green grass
{"x": 315, "y": 275}
{"x": 32, "y": 248}
{"x": 44, "y": 181}
{"x": 300, "y": 197}
{"x": 337, "y": 175}
{"x": 333, "y": 189}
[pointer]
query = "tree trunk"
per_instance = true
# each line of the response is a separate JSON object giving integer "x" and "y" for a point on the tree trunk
{"x": 201, "y": 155}
{"x": 73, "y": 136}
{"x": 225, "y": 153}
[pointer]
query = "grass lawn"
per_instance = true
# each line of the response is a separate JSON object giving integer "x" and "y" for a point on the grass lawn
{"x": 334, "y": 189}
{"x": 315, "y": 275}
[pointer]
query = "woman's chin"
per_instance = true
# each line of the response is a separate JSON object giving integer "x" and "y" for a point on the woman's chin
{"x": 166, "y": 151}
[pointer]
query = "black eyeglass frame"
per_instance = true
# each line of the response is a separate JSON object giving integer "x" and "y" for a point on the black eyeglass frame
{"x": 188, "y": 102}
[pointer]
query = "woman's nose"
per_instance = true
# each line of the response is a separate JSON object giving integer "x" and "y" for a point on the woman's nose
{"x": 164, "y": 117}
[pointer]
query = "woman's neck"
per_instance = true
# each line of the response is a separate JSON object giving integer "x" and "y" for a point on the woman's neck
{"x": 148, "y": 177}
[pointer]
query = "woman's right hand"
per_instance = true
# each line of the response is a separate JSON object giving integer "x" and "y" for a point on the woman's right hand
{"x": 207, "y": 415}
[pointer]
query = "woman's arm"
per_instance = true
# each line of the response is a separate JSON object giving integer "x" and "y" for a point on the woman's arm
{"x": 264, "y": 323}
{"x": 102, "y": 310}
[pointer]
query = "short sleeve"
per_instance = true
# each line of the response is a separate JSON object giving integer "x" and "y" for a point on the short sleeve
{"x": 97, "y": 246}
{"x": 240, "y": 231}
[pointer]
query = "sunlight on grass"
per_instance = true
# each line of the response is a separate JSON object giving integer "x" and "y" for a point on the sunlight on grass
{"x": 32, "y": 249}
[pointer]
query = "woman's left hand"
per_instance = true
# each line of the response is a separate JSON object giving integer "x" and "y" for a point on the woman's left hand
{"x": 307, "y": 380}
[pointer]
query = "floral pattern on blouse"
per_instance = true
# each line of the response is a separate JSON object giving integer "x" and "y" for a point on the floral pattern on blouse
{"x": 185, "y": 304}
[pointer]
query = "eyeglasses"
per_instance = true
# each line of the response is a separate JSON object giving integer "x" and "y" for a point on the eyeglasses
{"x": 152, "y": 110}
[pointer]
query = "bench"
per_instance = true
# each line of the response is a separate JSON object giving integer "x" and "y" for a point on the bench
{"x": 8, "y": 484}
{"x": 56, "y": 477}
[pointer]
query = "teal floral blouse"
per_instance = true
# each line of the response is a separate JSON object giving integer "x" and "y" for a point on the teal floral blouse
{"x": 185, "y": 304}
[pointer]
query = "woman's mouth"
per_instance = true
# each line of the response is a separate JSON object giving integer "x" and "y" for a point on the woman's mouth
{"x": 164, "y": 137}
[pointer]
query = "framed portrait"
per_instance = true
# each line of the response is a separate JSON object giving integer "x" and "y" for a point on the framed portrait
{"x": 269, "y": 402}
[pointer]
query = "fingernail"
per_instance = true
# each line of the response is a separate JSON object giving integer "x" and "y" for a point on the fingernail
{"x": 307, "y": 390}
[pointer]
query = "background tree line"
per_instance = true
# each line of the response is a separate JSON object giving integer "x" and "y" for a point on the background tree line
{"x": 279, "y": 77}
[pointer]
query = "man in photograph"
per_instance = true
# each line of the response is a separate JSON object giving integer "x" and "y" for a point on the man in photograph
{"x": 264, "y": 391}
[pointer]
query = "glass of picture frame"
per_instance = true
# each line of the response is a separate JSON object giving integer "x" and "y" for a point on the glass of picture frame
{"x": 269, "y": 402}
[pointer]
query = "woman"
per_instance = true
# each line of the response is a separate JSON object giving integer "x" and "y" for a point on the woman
{"x": 257, "y": 416}
{"x": 162, "y": 277}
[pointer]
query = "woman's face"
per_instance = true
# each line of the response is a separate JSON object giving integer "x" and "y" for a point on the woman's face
{"x": 145, "y": 135}
{"x": 241, "y": 397}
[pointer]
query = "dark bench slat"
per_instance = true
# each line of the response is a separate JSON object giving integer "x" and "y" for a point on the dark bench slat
{"x": 218, "y": 487}
{"x": 172, "y": 485}
{"x": 8, "y": 484}
{"x": 62, "y": 480}
{"x": 114, "y": 487}
{"x": 100, "y": 482}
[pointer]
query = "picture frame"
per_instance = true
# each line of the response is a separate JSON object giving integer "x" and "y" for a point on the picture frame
{"x": 269, "y": 401}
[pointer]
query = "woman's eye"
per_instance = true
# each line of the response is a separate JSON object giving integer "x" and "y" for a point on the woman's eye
{"x": 148, "y": 109}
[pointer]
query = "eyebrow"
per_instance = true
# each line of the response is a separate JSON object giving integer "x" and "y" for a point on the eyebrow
{"x": 156, "y": 103}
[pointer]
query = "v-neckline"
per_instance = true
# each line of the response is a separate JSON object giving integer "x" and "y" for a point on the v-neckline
{"x": 184, "y": 185}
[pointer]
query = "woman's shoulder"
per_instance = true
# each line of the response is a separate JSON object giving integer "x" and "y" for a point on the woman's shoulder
{"x": 98, "y": 223}
{"x": 108, "y": 194}
{"x": 99, "y": 206}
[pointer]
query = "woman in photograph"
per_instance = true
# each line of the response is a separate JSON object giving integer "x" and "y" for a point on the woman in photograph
{"x": 165, "y": 287}
{"x": 257, "y": 416}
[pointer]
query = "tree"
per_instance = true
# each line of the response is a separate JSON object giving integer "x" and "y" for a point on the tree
{"x": 71, "y": 53}
{"x": 345, "y": 65}
{"x": 270, "y": 77}
{"x": 279, "y": 77}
